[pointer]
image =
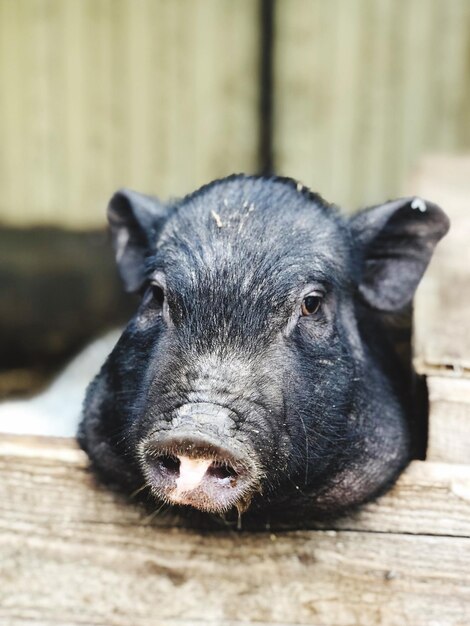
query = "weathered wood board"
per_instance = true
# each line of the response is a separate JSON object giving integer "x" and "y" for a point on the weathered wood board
{"x": 449, "y": 419}
{"x": 442, "y": 302}
{"x": 74, "y": 554}
{"x": 442, "y": 311}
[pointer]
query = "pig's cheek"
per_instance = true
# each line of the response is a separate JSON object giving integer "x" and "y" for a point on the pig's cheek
{"x": 273, "y": 443}
{"x": 318, "y": 333}
{"x": 319, "y": 329}
{"x": 286, "y": 451}
{"x": 146, "y": 319}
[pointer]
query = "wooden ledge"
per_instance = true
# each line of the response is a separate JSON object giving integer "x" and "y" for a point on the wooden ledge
{"x": 45, "y": 481}
{"x": 72, "y": 553}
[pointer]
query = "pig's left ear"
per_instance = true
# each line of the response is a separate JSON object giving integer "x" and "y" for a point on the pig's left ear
{"x": 396, "y": 241}
{"x": 135, "y": 221}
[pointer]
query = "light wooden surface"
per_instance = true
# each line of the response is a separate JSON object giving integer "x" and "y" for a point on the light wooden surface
{"x": 449, "y": 419}
{"x": 442, "y": 311}
{"x": 442, "y": 303}
{"x": 97, "y": 94}
{"x": 363, "y": 89}
{"x": 101, "y": 576}
{"x": 73, "y": 554}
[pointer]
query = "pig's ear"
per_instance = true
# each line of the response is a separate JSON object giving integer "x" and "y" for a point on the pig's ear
{"x": 396, "y": 241}
{"x": 134, "y": 221}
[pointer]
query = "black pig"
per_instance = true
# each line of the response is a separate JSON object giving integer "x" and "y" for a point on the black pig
{"x": 256, "y": 372}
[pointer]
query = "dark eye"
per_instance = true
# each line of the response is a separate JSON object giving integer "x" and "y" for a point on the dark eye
{"x": 311, "y": 305}
{"x": 154, "y": 295}
{"x": 158, "y": 294}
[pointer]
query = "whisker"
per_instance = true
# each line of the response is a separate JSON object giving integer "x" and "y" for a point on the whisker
{"x": 139, "y": 490}
{"x": 152, "y": 515}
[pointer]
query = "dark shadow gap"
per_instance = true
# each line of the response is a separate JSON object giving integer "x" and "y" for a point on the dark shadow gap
{"x": 267, "y": 8}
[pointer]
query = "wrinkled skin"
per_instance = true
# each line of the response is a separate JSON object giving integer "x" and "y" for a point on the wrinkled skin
{"x": 308, "y": 406}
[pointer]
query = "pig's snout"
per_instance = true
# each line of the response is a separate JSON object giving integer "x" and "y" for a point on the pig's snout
{"x": 190, "y": 473}
{"x": 199, "y": 471}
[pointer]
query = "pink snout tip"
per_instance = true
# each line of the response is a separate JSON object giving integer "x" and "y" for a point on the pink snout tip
{"x": 191, "y": 474}
{"x": 198, "y": 474}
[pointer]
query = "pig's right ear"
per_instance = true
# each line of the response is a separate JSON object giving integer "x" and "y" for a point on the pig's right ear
{"x": 135, "y": 220}
{"x": 395, "y": 242}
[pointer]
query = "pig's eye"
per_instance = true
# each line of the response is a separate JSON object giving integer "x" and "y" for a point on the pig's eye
{"x": 154, "y": 295}
{"x": 158, "y": 295}
{"x": 311, "y": 305}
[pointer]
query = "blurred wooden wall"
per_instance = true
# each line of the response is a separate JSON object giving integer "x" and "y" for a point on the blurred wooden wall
{"x": 161, "y": 95}
{"x": 365, "y": 88}
{"x": 164, "y": 95}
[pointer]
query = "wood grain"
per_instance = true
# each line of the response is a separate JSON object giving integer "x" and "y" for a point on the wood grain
{"x": 51, "y": 475}
{"x": 442, "y": 302}
{"x": 113, "y": 575}
{"x": 449, "y": 419}
{"x": 72, "y": 553}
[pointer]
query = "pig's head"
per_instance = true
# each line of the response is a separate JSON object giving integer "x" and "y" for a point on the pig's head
{"x": 255, "y": 371}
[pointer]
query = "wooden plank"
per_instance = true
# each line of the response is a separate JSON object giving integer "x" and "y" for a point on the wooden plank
{"x": 113, "y": 575}
{"x": 442, "y": 303}
{"x": 449, "y": 420}
{"x": 71, "y": 554}
{"x": 50, "y": 476}
{"x": 429, "y": 498}
{"x": 97, "y": 94}
{"x": 357, "y": 102}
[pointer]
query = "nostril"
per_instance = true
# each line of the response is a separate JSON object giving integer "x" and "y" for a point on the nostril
{"x": 222, "y": 472}
{"x": 198, "y": 473}
{"x": 168, "y": 464}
